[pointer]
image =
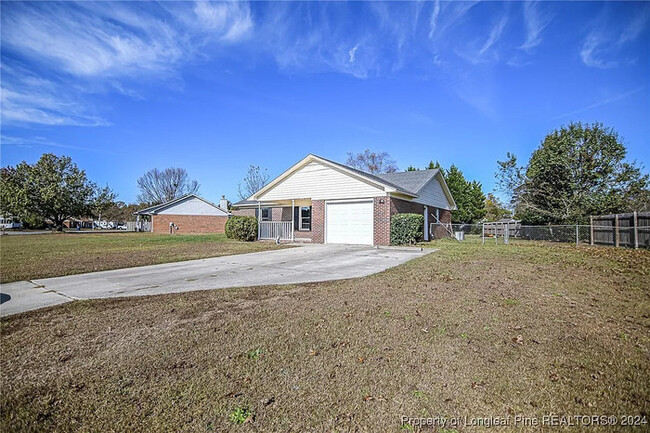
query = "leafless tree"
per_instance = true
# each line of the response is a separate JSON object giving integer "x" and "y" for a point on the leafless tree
{"x": 372, "y": 162}
{"x": 158, "y": 186}
{"x": 255, "y": 180}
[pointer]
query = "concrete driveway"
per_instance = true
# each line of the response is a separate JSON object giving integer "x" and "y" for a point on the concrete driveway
{"x": 303, "y": 264}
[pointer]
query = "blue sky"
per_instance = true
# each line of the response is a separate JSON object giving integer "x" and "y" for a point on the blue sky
{"x": 124, "y": 87}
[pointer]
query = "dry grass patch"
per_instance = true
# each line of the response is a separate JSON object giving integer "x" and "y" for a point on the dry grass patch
{"x": 29, "y": 257}
{"x": 473, "y": 330}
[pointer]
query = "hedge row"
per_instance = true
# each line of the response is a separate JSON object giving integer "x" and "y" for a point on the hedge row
{"x": 406, "y": 228}
{"x": 243, "y": 228}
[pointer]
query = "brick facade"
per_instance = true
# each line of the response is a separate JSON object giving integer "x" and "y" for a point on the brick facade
{"x": 189, "y": 224}
{"x": 381, "y": 223}
{"x": 243, "y": 212}
{"x": 402, "y": 206}
{"x": 384, "y": 208}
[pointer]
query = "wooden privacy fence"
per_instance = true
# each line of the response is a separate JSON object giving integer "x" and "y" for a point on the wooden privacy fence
{"x": 499, "y": 228}
{"x": 621, "y": 230}
{"x": 138, "y": 226}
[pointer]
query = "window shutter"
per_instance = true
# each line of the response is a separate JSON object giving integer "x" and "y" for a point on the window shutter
{"x": 296, "y": 218}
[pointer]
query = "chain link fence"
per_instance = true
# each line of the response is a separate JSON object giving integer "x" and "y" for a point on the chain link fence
{"x": 574, "y": 233}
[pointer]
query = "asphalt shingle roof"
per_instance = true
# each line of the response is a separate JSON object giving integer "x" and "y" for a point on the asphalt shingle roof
{"x": 412, "y": 181}
{"x": 380, "y": 177}
{"x": 408, "y": 182}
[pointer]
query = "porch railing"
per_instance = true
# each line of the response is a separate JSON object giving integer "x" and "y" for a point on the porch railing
{"x": 273, "y": 229}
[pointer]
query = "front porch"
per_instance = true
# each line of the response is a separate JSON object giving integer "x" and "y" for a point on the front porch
{"x": 284, "y": 220}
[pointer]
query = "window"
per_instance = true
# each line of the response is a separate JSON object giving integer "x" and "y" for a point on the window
{"x": 302, "y": 218}
{"x": 266, "y": 214}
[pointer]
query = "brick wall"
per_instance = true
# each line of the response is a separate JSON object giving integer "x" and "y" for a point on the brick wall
{"x": 403, "y": 206}
{"x": 243, "y": 212}
{"x": 440, "y": 231}
{"x": 382, "y": 214}
{"x": 381, "y": 223}
{"x": 190, "y": 223}
{"x": 317, "y": 222}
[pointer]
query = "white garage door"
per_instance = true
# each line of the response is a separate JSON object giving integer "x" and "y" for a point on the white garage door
{"x": 349, "y": 223}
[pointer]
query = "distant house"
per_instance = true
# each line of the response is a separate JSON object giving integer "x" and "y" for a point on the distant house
{"x": 78, "y": 223}
{"x": 188, "y": 214}
{"x": 10, "y": 222}
{"x": 322, "y": 201}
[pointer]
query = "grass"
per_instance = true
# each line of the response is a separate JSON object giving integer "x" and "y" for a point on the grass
{"x": 51, "y": 255}
{"x": 332, "y": 360}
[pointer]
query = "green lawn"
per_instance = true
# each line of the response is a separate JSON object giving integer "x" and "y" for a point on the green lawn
{"x": 525, "y": 329}
{"x": 28, "y": 257}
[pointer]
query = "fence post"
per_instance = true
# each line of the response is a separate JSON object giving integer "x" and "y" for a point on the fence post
{"x": 636, "y": 231}
{"x": 483, "y": 234}
{"x": 616, "y": 231}
{"x": 577, "y": 235}
{"x": 591, "y": 229}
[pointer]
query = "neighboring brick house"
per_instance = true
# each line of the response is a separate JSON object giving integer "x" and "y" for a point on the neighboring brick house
{"x": 190, "y": 214}
{"x": 321, "y": 201}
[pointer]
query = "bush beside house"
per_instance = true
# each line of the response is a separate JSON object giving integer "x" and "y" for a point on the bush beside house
{"x": 406, "y": 228}
{"x": 243, "y": 228}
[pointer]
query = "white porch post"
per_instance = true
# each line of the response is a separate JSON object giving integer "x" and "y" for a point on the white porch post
{"x": 426, "y": 223}
{"x": 293, "y": 203}
{"x": 259, "y": 218}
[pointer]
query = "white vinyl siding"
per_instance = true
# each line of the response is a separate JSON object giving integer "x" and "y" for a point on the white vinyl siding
{"x": 349, "y": 223}
{"x": 192, "y": 206}
{"x": 433, "y": 195}
{"x": 319, "y": 182}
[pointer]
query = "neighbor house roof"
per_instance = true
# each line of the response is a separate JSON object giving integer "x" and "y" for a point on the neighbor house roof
{"x": 408, "y": 183}
{"x": 152, "y": 210}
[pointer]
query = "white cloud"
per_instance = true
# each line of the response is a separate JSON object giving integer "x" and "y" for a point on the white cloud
{"x": 27, "y": 98}
{"x": 230, "y": 20}
{"x": 353, "y": 52}
{"x": 607, "y": 38}
{"x": 433, "y": 22}
{"x": 36, "y": 141}
{"x": 495, "y": 34}
{"x": 88, "y": 45}
{"x": 536, "y": 22}
{"x": 601, "y": 102}
{"x": 593, "y": 50}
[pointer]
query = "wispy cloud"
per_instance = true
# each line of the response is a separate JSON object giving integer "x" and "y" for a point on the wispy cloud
{"x": 37, "y": 141}
{"x": 536, "y": 22}
{"x": 73, "y": 47}
{"x": 600, "y": 103}
{"x": 592, "y": 52}
{"x": 484, "y": 49}
{"x": 602, "y": 46}
{"x": 27, "y": 98}
{"x": 495, "y": 33}
{"x": 433, "y": 21}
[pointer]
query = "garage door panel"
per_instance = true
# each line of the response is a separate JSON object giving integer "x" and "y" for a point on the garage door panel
{"x": 349, "y": 223}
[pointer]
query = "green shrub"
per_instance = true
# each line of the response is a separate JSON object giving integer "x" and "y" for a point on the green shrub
{"x": 406, "y": 228}
{"x": 33, "y": 222}
{"x": 243, "y": 228}
{"x": 241, "y": 414}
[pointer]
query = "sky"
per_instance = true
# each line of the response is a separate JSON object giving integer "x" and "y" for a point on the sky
{"x": 124, "y": 87}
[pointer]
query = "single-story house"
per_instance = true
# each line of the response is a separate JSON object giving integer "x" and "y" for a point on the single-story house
{"x": 188, "y": 214}
{"x": 322, "y": 201}
{"x": 76, "y": 223}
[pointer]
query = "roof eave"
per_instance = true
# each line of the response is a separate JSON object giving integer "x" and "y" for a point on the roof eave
{"x": 311, "y": 157}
